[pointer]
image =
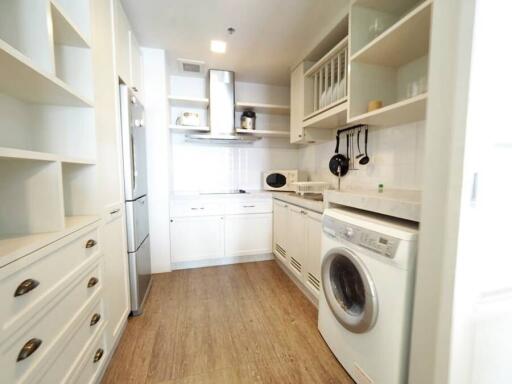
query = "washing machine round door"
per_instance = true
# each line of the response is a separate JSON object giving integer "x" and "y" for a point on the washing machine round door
{"x": 349, "y": 290}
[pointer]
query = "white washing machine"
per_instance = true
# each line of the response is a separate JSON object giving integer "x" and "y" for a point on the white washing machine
{"x": 365, "y": 306}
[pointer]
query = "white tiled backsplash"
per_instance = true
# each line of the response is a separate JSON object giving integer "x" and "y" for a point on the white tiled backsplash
{"x": 396, "y": 155}
{"x": 198, "y": 167}
{"x": 396, "y": 159}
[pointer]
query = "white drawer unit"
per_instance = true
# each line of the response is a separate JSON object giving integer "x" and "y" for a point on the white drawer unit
{"x": 93, "y": 360}
{"x": 24, "y": 353}
{"x": 185, "y": 208}
{"x": 28, "y": 284}
{"x": 92, "y": 323}
{"x": 243, "y": 207}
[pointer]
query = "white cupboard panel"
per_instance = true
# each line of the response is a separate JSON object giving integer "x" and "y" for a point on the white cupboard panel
{"x": 248, "y": 234}
{"x": 136, "y": 81}
{"x": 280, "y": 243}
{"x": 313, "y": 256}
{"x": 297, "y": 245}
{"x": 197, "y": 238}
{"x": 122, "y": 43}
{"x": 248, "y": 206}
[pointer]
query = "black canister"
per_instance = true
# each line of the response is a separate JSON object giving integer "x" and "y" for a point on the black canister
{"x": 248, "y": 120}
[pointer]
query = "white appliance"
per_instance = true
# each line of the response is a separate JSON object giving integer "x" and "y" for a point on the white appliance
{"x": 281, "y": 180}
{"x": 365, "y": 306}
{"x": 135, "y": 189}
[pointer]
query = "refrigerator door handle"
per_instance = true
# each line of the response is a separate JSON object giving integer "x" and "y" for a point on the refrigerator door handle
{"x": 132, "y": 160}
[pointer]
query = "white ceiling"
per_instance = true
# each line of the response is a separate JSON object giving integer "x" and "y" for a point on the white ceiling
{"x": 270, "y": 34}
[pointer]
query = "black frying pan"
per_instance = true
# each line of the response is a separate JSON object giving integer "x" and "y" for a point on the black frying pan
{"x": 338, "y": 165}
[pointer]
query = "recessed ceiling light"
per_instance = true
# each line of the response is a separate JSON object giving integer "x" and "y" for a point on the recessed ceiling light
{"x": 218, "y": 46}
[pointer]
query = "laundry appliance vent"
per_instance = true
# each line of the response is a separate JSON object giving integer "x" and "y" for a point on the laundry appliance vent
{"x": 295, "y": 264}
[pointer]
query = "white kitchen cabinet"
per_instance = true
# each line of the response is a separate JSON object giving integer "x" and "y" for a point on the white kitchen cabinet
{"x": 197, "y": 238}
{"x": 299, "y": 134}
{"x": 136, "y": 79}
{"x": 280, "y": 241}
{"x": 122, "y": 42}
{"x": 248, "y": 234}
{"x": 313, "y": 256}
{"x": 297, "y": 230}
{"x": 300, "y": 231}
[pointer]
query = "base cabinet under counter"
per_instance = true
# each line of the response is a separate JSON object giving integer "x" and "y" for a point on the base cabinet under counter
{"x": 296, "y": 243}
{"x": 220, "y": 230}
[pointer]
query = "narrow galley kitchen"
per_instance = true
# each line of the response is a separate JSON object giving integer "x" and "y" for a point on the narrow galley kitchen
{"x": 213, "y": 191}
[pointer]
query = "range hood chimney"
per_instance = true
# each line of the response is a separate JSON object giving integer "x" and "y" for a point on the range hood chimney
{"x": 221, "y": 111}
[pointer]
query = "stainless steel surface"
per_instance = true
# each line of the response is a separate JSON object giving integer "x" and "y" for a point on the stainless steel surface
{"x": 25, "y": 287}
{"x": 222, "y": 109}
{"x": 137, "y": 222}
{"x": 140, "y": 276}
{"x": 349, "y": 290}
{"x": 29, "y": 348}
{"x": 134, "y": 144}
{"x": 135, "y": 181}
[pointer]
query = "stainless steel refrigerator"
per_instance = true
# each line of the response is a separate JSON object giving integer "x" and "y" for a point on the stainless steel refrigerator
{"x": 136, "y": 199}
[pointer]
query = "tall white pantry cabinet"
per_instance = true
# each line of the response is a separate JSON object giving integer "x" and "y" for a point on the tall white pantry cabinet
{"x": 63, "y": 266}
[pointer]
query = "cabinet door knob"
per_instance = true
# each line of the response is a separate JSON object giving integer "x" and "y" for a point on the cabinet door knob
{"x": 29, "y": 348}
{"x": 25, "y": 287}
{"x": 98, "y": 355}
{"x": 90, "y": 243}
{"x": 95, "y": 318}
{"x": 92, "y": 282}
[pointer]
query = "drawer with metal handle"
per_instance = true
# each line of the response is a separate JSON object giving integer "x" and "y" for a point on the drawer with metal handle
{"x": 94, "y": 359}
{"x": 23, "y": 350}
{"x": 237, "y": 207}
{"x": 92, "y": 324}
{"x": 27, "y": 285}
{"x": 196, "y": 207}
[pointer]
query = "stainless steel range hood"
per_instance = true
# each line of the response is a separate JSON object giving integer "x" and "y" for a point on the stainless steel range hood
{"x": 221, "y": 111}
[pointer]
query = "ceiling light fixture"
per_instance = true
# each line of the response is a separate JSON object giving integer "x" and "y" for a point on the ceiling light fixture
{"x": 218, "y": 46}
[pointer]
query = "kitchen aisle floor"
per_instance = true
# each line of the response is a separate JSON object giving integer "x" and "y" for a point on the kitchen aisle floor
{"x": 244, "y": 323}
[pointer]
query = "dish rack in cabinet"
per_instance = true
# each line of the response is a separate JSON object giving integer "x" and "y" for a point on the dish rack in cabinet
{"x": 327, "y": 81}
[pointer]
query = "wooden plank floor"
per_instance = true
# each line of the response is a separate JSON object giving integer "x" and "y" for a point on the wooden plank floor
{"x": 244, "y": 323}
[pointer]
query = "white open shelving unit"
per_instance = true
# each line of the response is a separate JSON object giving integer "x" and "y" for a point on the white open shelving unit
{"x": 178, "y": 101}
{"x": 187, "y": 128}
{"x": 48, "y": 137}
{"x": 263, "y": 133}
{"x": 272, "y": 109}
{"x": 384, "y": 67}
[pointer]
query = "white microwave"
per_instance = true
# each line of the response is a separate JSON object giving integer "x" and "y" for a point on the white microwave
{"x": 281, "y": 180}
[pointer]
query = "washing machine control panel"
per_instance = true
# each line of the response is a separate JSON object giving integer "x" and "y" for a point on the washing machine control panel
{"x": 377, "y": 242}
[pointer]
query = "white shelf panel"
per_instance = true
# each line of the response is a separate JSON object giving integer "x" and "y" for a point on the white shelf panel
{"x": 13, "y": 247}
{"x": 404, "y": 42}
{"x": 263, "y": 133}
{"x": 185, "y": 128}
{"x": 64, "y": 31}
{"x": 178, "y": 101}
{"x": 388, "y": 6}
{"x": 19, "y": 78}
{"x": 13, "y": 153}
{"x": 274, "y": 109}
{"x": 332, "y": 118}
{"x": 402, "y": 112}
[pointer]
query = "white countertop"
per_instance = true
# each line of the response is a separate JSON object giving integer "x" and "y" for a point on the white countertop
{"x": 293, "y": 198}
{"x": 221, "y": 195}
{"x": 404, "y": 204}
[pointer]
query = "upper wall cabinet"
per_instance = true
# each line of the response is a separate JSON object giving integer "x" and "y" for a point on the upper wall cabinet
{"x": 128, "y": 55}
{"x": 122, "y": 41}
{"x": 135, "y": 65}
{"x": 389, "y": 61}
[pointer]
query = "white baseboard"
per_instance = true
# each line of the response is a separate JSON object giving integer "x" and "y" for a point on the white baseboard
{"x": 223, "y": 261}
{"x": 298, "y": 283}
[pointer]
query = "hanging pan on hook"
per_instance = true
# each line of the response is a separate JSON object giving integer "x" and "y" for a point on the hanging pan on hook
{"x": 338, "y": 165}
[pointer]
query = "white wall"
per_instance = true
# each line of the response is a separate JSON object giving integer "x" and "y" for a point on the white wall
{"x": 396, "y": 159}
{"x": 213, "y": 167}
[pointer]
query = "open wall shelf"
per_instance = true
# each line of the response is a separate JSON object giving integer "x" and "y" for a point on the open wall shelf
{"x": 20, "y": 78}
{"x": 185, "y": 128}
{"x": 21, "y": 154}
{"x": 64, "y": 30}
{"x": 178, "y": 101}
{"x": 263, "y": 133}
{"x": 405, "y": 41}
{"x": 263, "y": 108}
